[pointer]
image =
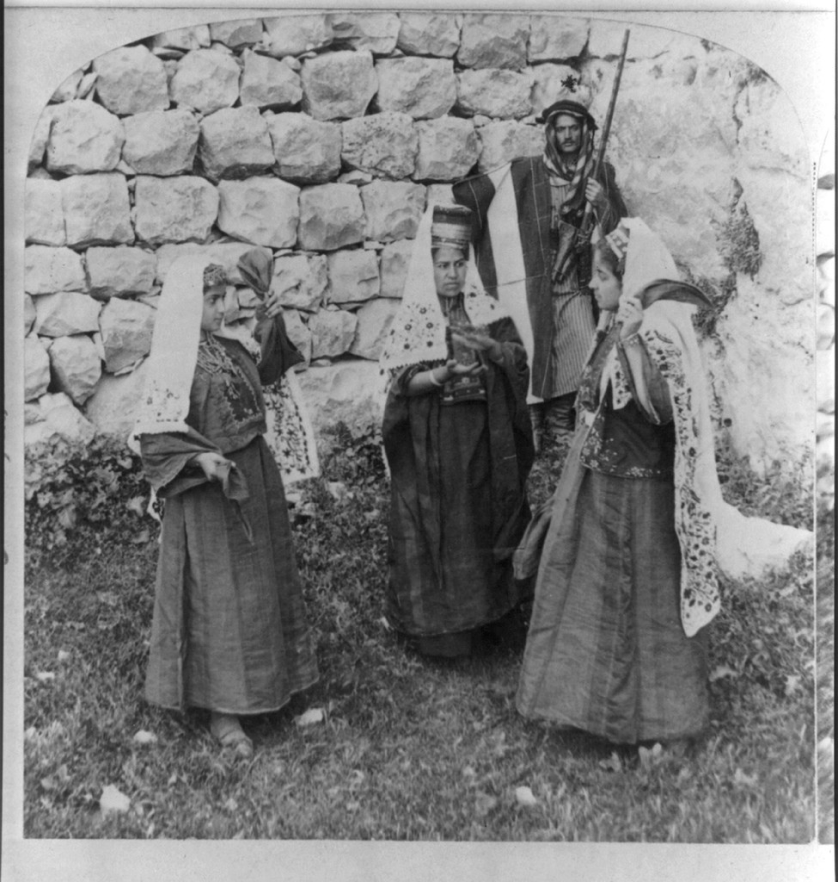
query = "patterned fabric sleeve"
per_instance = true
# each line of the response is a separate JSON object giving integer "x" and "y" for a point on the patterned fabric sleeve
{"x": 645, "y": 382}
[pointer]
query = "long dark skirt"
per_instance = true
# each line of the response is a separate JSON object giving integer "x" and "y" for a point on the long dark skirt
{"x": 606, "y": 651}
{"x": 229, "y": 631}
{"x": 459, "y": 585}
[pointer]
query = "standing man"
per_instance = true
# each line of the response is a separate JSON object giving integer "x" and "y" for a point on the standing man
{"x": 530, "y": 254}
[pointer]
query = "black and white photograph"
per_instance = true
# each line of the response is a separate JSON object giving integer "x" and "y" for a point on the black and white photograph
{"x": 419, "y": 443}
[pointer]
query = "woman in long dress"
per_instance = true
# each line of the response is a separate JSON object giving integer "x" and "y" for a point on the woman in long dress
{"x": 459, "y": 447}
{"x": 229, "y": 632}
{"x": 626, "y": 583}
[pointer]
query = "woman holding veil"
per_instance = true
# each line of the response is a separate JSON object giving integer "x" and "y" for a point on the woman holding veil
{"x": 459, "y": 447}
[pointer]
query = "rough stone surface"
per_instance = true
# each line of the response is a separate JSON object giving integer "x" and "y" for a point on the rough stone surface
{"x": 65, "y": 313}
{"x": 226, "y": 254}
{"x": 346, "y": 392}
{"x": 395, "y": 258}
{"x": 307, "y": 151}
{"x": 68, "y": 90}
{"x": 267, "y": 82}
{"x": 332, "y": 332}
{"x": 97, "y": 209}
{"x": 393, "y": 209}
{"x": 375, "y": 31}
{"x": 76, "y": 366}
{"x": 424, "y": 88}
{"x": 206, "y": 80}
{"x": 331, "y": 216}
{"x": 384, "y": 144}
{"x": 555, "y": 38}
{"x": 506, "y": 140}
{"x": 29, "y": 313}
{"x": 235, "y": 34}
{"x": 40, "y": 138}
{"x": 44, "y": 213}
{"x": 493, "y": 40}
{"x": 339, "y": 85}
{"x": 448, "y": 148}
{"x": 235, "y": 143}
{"x": 295, "y": 34}
{"x": 264, "y": 211}
{"x": 298, "y": 332}
{"x": 374, "y": 320}
{"x": 61, "y": 419}
{"x": 500, "y": 94}
{"x": 84, "y": 138}
{"x": 46, "y": 270}
{"x": 113, "y": 406}
{"x": 184, "y": 39}
{"x": 300, "y": 281}
{"x": 35, "y": 368}
{"x": 131, "y": 80}
{"x": 174, "y": 209}
{"x": 353, "y": 276}
{"x": 120, "y": 272}
{"x": 161, "y": 142}
{"x": 126, "y": 329}
{"x": 547, "y": 85}
{"x": 429, "y": 33}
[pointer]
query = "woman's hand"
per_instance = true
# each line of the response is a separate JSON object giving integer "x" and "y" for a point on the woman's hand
{"x": 271, "y": 304}
{"x": 455, "y": 369}
{"x": 629, "y": 316}
{"x": 479, "y": 342}
{"x": 214, "y": 466}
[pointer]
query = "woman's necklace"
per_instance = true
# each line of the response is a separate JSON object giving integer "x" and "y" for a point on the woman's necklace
{"x": 213, "y": 357}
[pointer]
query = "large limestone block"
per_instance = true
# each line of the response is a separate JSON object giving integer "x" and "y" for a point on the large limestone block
{"x": 66, "y": 313}
{"x": 29, "y": 313}
{"x": 384, "y": 144}
{"x": 267, "y": 82}
{"x": 395, "y": 259}
{"x": 505, "y": 140}
{"x": 40, "y": 138}
{"x": 424, "y": 88}
{"x": 448, "y": 148}
{"x": 161, "y": 142}
{"x": 375, "y": 31}
{"x": 264, "y": 211}
{"x": 131, "y": 80}
{"x": 68, "y": 90}
{"x": 35, "y": 368}
{"x": 60, "y": 419}
{"x": 112, "y": 407}
{"x": 556, "y": 38}
{"x": 238, "y": 33}
{"x": 298, "y": 332}
{"x": 225, "y": 254}
{"x": 300, "y": 281}
{"x": 307, "y": 151}
{"x": 353, "y": 276}
{"x": 126, "y": 329}
{"x": 374, "y": 320}
{"x": 348, "y": 392}
{"x": 429, "y": 33}
{"x": 206, "y": 80}
{"x": 97, "y": 210}
{"x": 76, "y": 366}
{"x": 338, "y": 85}
{"x": 500, "y": 94}
{"x": 120, "y": 272}
{"x": 46, "y": 270}
{"x": 331, "y": 217}
{"x": 43, "y": 213}
{"x": 295, "y": 34}
{"x": 84, "y": 138}
{"x": 332, "y": 332}
{"x": 235, "y": 143}
{"x": 606, "y": 40}
{"x": 493, "y": 40}
{"x": 183, "y": 39}
{"x": 550, "y": 80}
{"x": 393, "y": 209}
{"x": 176, "y": 209}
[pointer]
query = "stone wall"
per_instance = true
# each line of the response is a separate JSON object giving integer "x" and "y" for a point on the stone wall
{"x": 320, "y": 137}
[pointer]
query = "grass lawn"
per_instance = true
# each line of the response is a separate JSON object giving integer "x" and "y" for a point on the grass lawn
{"x": 408, "y": 748}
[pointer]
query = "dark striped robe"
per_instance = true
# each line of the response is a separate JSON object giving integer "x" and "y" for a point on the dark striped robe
{"x": 514, "y": 249}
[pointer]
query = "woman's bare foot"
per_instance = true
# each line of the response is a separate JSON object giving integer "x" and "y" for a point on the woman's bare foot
{"x": 227, "y": 730}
